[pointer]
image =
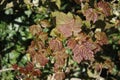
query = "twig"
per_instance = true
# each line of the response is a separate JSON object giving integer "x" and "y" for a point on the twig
{"x": 3, "y": 70}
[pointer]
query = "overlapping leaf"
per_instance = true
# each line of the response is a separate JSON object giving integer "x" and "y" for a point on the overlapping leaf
{"x": 83, "y": 48}
{"x": 104, "y": 7}
{"x": 59, "y": 76}
{"x": 34, "y": 29}
{"x": 81, "y": 52}
{"x": 37, "y": 52}
{"x": 91, "y": 15}
{"x": 66, "y": 24}
{"x": 60, "y": 57}
{"x": 101, "y": 38}
{"x": 55, "y": 45}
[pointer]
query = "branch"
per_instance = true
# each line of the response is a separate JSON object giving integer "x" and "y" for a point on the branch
{"x": 3, "y": 70}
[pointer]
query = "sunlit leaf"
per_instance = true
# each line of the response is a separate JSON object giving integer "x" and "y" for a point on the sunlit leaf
{"x": 60, "y": 57}
{"x": 81, "y": 52}
{"x": 55, "y": 45}
{"x": 71, "y": 43}
{"x": 104, "y": 7}
{"x": 45, "y": 23}
{"x": 59, "y": 75}
{"x": 91, "y": 15}
{"x": 101, "y": 38}
{"x": 66, "y": 24}
{"x": 34, "y": 29}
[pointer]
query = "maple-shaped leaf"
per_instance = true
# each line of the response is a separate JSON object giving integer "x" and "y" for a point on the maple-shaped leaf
{"x": 36, "y": 72}
{"x": 60, "y": 57}
{"x": 82, "y": 37}
{"x": 69, "y": 29}
{"x": 76, "y": 29}
{"x": 59, "y": 76}
{"x": 92, "y": 46}
{"x": 62, "y": 18}
{"x": 34, "y": 29}
{"x": 101, "y": 38}
{"x": 43, "y": 36}
{"x": 66, "y": 29}
{"x": 40, "y": 58}
{"x": 104, "y": 7}
{"x": 37, "y": 52}
{"x": 34, "y": 47}
{"x": 55, "y": 44}
{"x": 67, "y": 25}
{"x": 71, "y": 43}
{"x": 45, "y": 23}
{"x": 31, "y": 49}
{"x": 81, "y": 52}
{"x": 29, "y": 67}
{"x": 91, "y": 15}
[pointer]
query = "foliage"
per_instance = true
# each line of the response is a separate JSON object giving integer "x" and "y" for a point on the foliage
{"x": 59, "y": 39}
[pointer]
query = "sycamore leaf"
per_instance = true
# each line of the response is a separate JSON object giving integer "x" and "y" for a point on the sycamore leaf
{"x": 59, "y": 76}
{"x": 62, "y": 18}
{"x": 81, "y": 52}
{"x": 43, "y": 36}
{"x": 60, "y": 57}
{"x": 40, "y": 58}
{"x": 66, "y": 29}
{"x": 104, "y": 7}
{"x": 67, "y": 25}
{"x": 91, "y": 15}
{"x": 54, "y": 33}
{"x": 55, "y": 45}
{"x": 101, "y": 38}
{"x": 83, "y": 47}
{"x": 71, "y": 43}
{"x": 35, "y": 29}
{"x": 45, "y": 23}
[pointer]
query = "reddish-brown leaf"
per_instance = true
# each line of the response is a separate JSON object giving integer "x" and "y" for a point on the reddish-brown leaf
{"x": 82, "y": 37}
{"x": 67, "y": 25}
{"x": 71, "y": 43}
{"x": 35, "y": 29}
{"x": 23, "y": 70}
{"x": 36, "y": 72}
{"x": 91, "y": 15}
{"x": 29, "y": 67}
{"x": 82, "y": 53}
{"x": 42, "y": 36}
{"x": 101, "y": 38}
{"x": 40, "y": 58}
{"x": 60, "y": 57}
{"x": 55, "y": 45}
{"x": 45, "y": 23}
{"x": 15, "y": 66}
{"x": 104, "y": 7}
{"x": 59, "y": 76}
{"x": 66, "y": 29}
